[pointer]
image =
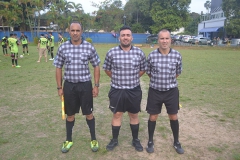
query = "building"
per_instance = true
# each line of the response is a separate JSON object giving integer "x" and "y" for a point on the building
{"x": 212, "y": 24}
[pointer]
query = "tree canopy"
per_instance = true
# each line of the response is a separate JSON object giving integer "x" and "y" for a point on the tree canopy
{"x": 141, "y": 15}
{"x": 231, "y": 10}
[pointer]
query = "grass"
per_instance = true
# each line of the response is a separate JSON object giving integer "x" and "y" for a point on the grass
{"x": 32, "y": 128}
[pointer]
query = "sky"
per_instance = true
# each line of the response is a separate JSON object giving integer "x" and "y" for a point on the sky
{"x": 195, "y": 6}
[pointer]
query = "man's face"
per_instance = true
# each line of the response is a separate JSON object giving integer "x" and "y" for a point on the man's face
{"x": 125, "y": 38}
{"x": 75, "y": 32}
{"x": 164, "y": 40}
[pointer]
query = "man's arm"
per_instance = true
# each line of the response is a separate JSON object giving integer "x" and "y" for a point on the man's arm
{"x": 59, "y": 81}
{"x": 38, "y": 44}
{"x": 109, "y": 73}
{"x": 96, "y": 74}
{"x": 50, "y": 41}
{"x": 141, "y": 73}
{"x": 96, "y": 81}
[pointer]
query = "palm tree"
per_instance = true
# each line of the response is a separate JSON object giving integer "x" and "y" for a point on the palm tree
{"x": 207, "y": 5}
{"x": 53, "y": 14}
{"x": 38, "y": 7}
{"x": 77, "y": 7}
{"x": 64, "y": 8}
{"x": 28, "y": 13}
{"x": 10, "y": 12}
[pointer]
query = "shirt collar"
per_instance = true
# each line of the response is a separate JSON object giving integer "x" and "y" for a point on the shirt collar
{"x": 122, "y": 49}
{"x": 168, "y": 52}
{"x": 71, "y": 41}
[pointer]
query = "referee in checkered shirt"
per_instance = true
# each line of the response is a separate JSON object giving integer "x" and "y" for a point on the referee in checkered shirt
{"x": 77, "y": 90}
{"x": 125, "y": 64}
{"x": 164, "y": 65}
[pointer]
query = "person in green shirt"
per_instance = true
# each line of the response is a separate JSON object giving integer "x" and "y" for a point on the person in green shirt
{"x": 4, "y": 45}
{"x": 60, "y": 39}
{"x": 13, "y": 43}
{"x": 24, "y": 41}
{"x": 48, "y": 44}
{"x": 51, "y": 45}
{"x": 42, "y": 47}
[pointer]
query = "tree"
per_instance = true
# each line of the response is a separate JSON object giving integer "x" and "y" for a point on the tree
{"x": 64, "y": 8}
{"x": 137, "y": 28}
{"x": 170, "y": 14}
{"x": 109, "y": 15}
{"x": 207, "y": 5}
{"x": 10, "y": 13}
{"x": 77, "y": 7}
{"x": 137, "y": 11}
{"x": 231, "y": 10}
{"x": 192, "y": 26}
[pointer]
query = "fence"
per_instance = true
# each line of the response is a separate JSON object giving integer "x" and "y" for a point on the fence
{"x": 96, "y": 37}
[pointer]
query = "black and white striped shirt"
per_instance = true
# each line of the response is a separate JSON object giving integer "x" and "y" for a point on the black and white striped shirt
{"x": 163, "y": 69}
{"x": 125, "y": 66}
{"x": 75, "y": 59}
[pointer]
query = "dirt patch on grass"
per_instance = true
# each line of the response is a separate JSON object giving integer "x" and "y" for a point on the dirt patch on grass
{"x": 202, "y": 133}
{"x": 202, "y": 137}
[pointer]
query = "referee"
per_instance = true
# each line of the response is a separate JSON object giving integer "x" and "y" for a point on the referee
{"x": 125, "y": 64}
{"x": 164, "y": 65}
{"x": 77, "y": 90}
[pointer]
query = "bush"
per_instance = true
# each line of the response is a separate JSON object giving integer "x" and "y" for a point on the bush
{"x": 35, "y": 40}
{"x": 89, "y": 40}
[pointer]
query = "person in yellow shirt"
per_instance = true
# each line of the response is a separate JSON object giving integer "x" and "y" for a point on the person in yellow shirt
{"x": 13, "y": 43}
{"x": 51, "y": 45}
{"x": 4, "y": 45}
{"x": 42, "y": 47}
{"x": 24, "y": 42}
{"x": 60, "y": 39}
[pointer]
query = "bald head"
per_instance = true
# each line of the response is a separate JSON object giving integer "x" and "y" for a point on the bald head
{"x": 165, "y": 31}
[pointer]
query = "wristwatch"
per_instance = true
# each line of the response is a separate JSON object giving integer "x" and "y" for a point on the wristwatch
{"x": 59, "y": 88}
{"x": 97, "y": 85}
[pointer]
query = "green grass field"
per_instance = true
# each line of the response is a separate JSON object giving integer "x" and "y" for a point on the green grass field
{"x": 32, "y": 129}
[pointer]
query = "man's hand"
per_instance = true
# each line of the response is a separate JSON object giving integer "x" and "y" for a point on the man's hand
{"x": 95, "y": 91}
{"x": 60, "y": 93}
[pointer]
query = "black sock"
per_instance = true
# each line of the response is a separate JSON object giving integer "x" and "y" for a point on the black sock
{"x": 12, "y": 61}
{"x": 115, "y": 131}
{"x": 16, "y": 62}
{"x": 151, "y": 129}
{"x": 135, "y": 129}
{"x": 69, "y": 127}
{"x": 175, "y": 129}
{"x": 23, "y": 52}
{"x": 91, "y": 125}
{"x": 27, "y": 51}
{"x": 52, "y": 55}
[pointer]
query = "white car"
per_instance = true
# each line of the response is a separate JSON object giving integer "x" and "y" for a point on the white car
{"x": 201, "y": 40}
{"x": 186, "y": 39}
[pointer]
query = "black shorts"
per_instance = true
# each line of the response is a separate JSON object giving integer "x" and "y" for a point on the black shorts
{"x": 14, "y": 55}
{"x": 4, "y": 46}
{"x": 25, "y": 46}
{"x": 156, "y": 98}
{"x": 52, "y": 48}
{"x": 122, "y": 100}
{"x": 78, "y": 95}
